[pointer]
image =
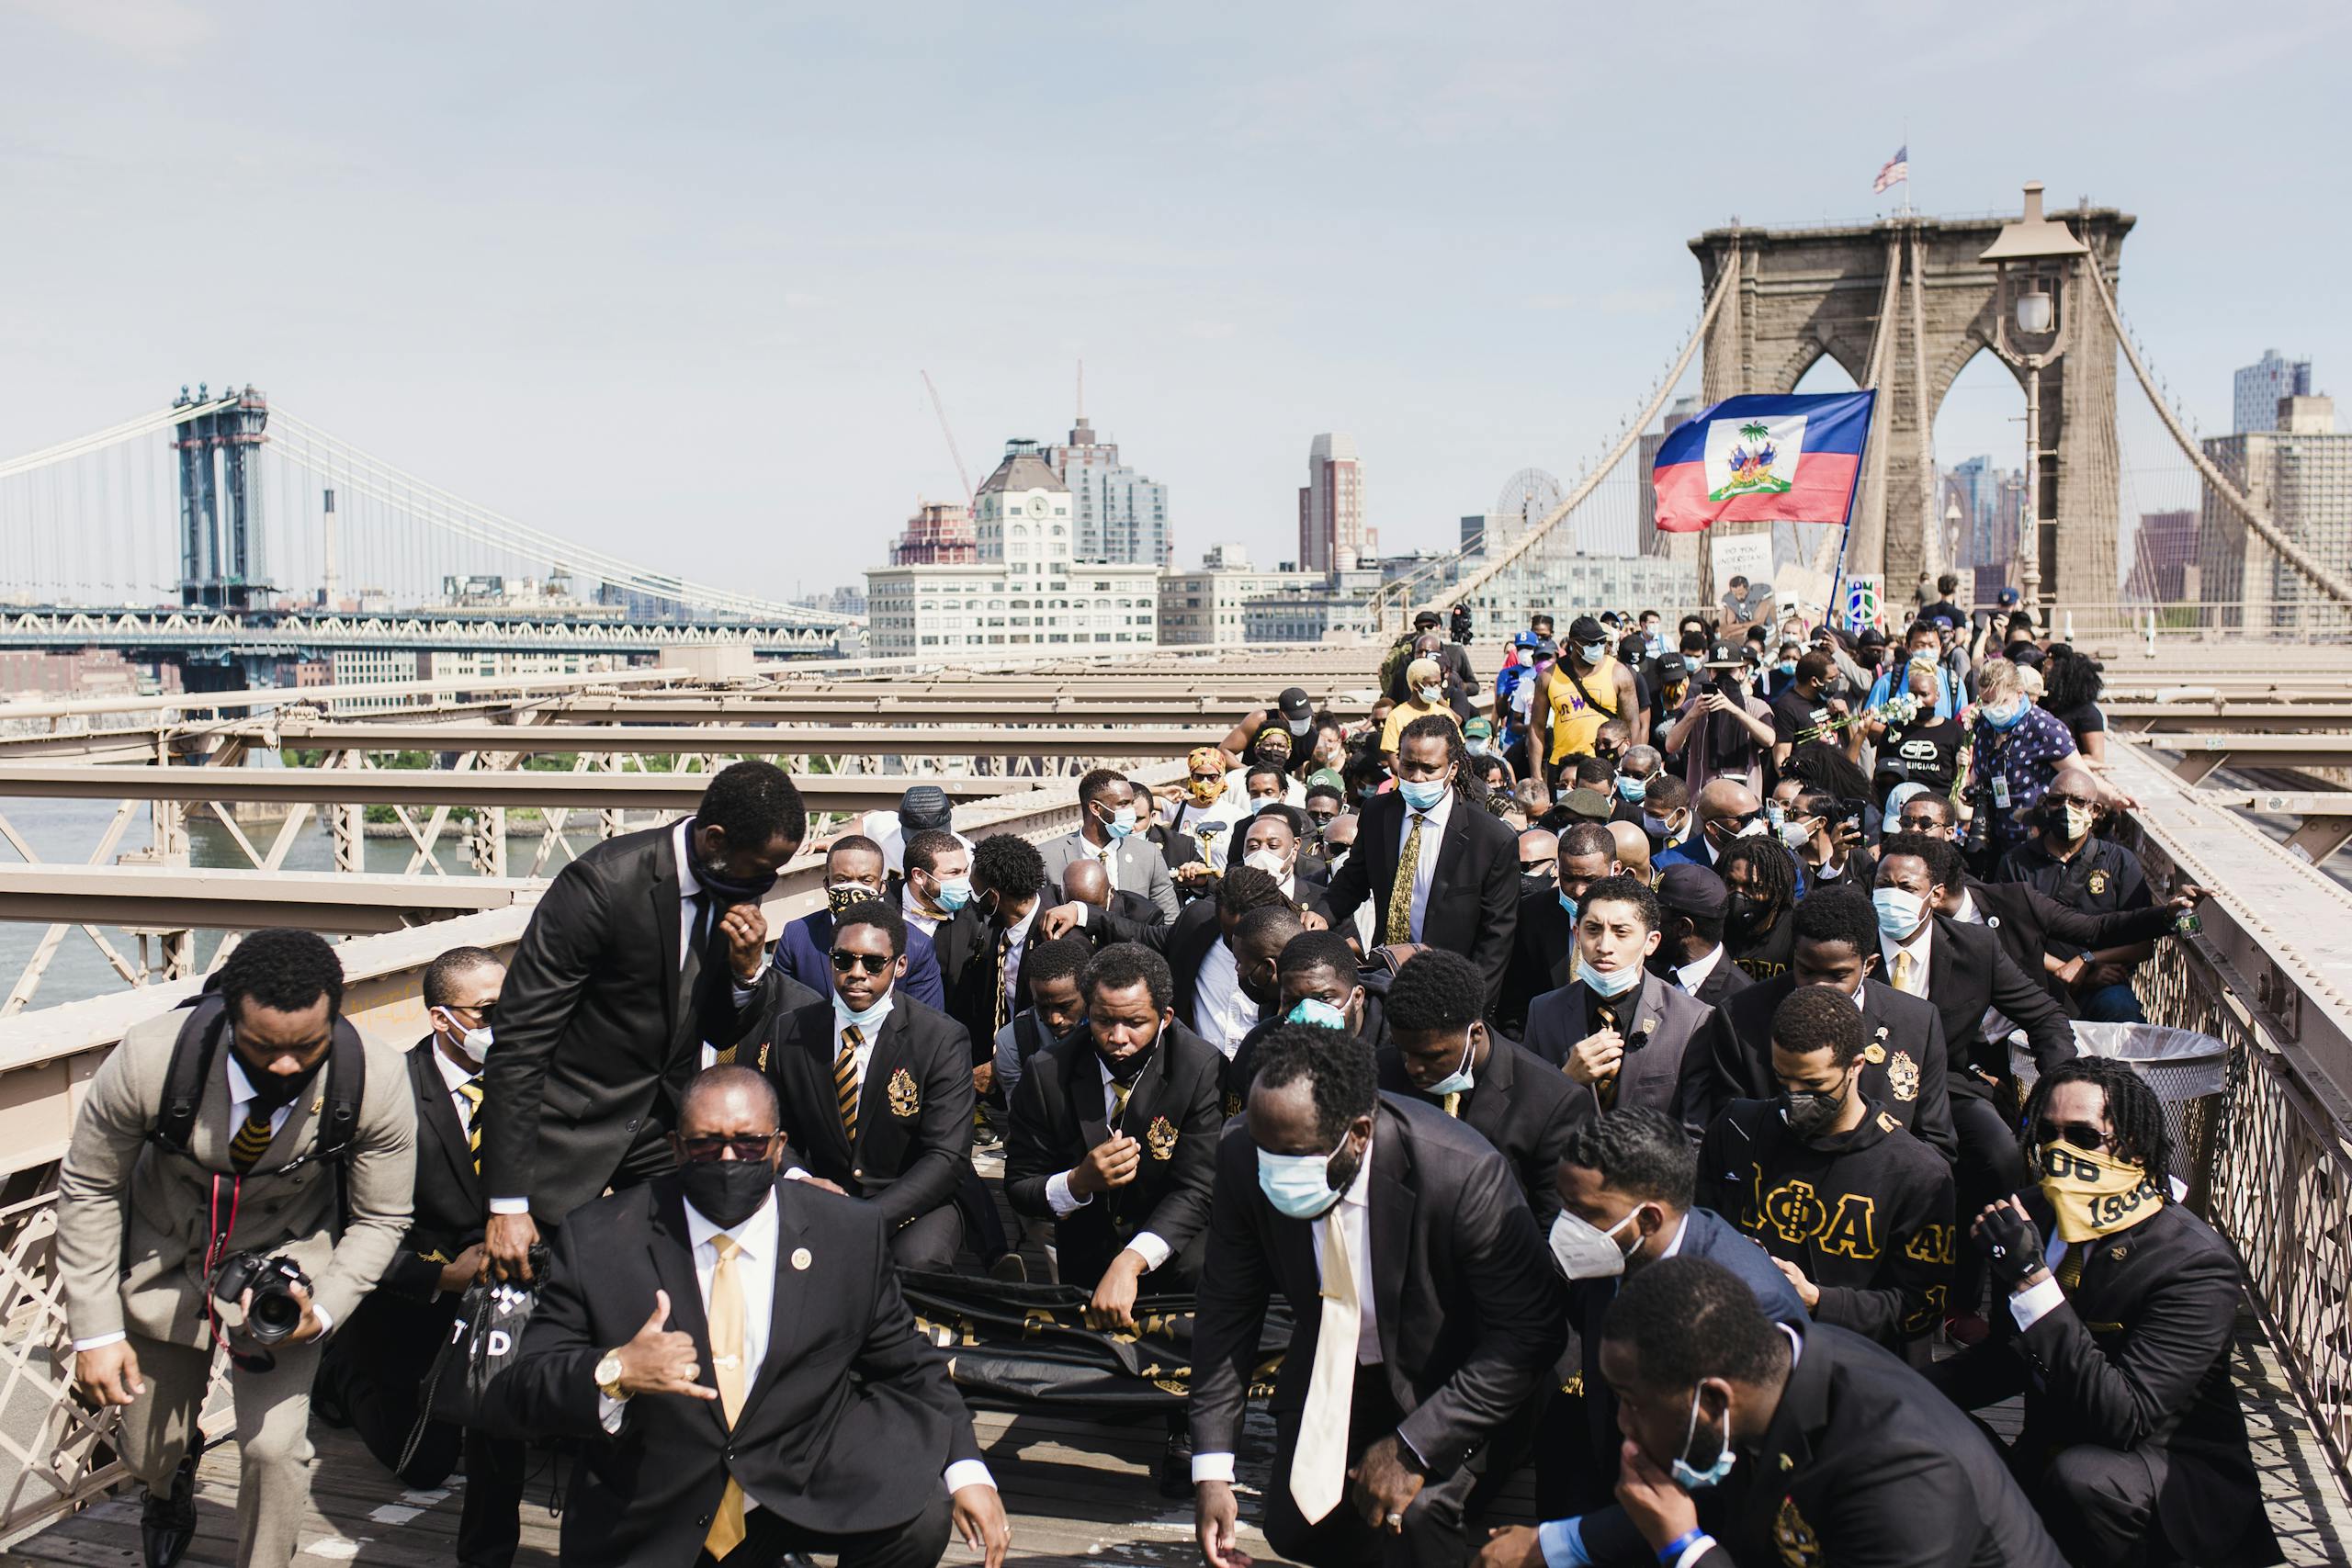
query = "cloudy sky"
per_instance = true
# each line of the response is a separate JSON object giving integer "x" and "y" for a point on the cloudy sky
{"x": 663, "y": 279}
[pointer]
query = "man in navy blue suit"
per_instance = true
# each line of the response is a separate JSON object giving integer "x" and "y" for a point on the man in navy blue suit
{"x": 853, "y": 873}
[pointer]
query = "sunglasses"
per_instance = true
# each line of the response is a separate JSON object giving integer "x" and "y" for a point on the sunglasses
{"x": 1536, "y": 867}
{"x": 710, "y": 1151}
{"x": 485, "y": 1012}
{"x": 871, "y": 962}
{"x": 1927, "y": 825}
{"x": 2082, "y": 1135}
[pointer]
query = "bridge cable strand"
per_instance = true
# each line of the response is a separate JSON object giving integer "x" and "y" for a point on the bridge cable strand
{"x": 2319, "y": 576}
{"x": 1470, "y": 585}
{"x": 145, "y": 424}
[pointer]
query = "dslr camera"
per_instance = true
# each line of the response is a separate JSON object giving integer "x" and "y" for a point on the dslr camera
{"x": 275, "y": 1313}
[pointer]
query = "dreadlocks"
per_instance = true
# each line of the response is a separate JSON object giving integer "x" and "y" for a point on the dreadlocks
{"x": 1771, "y": 869}
{"x": 2141, "y": 1132}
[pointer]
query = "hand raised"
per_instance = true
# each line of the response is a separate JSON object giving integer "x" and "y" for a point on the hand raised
{"x": 657, "y": 1360}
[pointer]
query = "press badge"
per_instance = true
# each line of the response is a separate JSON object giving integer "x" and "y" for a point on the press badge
{"x": 2000, "y": 792}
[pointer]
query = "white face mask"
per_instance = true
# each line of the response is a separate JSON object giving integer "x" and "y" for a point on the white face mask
{"x": 473, "y": 1044}
{"x": 1585, "y": 1251}
{"x": 1271, "y": 861}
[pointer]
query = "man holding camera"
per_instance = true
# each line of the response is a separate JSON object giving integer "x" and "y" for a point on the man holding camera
{"x": 240, "y": 1173}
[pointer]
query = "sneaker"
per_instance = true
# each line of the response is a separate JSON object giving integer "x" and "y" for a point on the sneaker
{"x": 167, "y": 1524}
{"x": 1009, "y": 1270}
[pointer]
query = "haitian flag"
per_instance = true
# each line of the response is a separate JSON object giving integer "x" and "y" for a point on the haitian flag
{"x": 1763, "y": 459}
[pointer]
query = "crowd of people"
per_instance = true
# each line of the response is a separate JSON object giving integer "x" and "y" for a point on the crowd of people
{"x": 1652, "y": 1065}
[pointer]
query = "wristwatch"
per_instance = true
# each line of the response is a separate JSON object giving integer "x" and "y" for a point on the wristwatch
{"x": 608, "y": 1376}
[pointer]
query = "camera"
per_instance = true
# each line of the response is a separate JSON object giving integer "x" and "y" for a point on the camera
{"x": 275, "y": 1313}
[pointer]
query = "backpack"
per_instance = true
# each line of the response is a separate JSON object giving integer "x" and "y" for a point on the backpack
{"x": 1392, "y": 665}
{"x": 191, "y": 1068}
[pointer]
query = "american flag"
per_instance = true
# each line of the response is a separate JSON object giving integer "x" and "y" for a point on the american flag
{"x": 1898, "y": 171}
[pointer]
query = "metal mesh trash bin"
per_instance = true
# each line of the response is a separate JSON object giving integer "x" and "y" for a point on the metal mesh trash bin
{"x": 2189, "y": 1072}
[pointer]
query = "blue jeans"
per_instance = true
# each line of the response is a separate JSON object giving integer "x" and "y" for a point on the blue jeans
{"x": 2112, "y": 1004}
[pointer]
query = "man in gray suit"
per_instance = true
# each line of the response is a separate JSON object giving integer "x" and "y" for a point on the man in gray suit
{"x": 1107, "y": 815}
{"x": 297, "y": 1140}
{"x": 1616, "y": 1030}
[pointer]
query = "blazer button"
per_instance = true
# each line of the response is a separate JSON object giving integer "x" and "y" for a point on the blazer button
{"x": 858, "y": 1174}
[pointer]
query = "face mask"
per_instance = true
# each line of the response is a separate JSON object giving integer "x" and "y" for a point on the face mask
{"x": 1273, "y": 755}
{"x": 1478, "y": 748}
{"x": 473, "y": 1044}
{"x": 1568, "y": 905}
{"x": 1786, "y": 667}
{"x": 1585, "y": 1251}
{"x": 1129, "y": 1068}
{"x": 1422, "y": 795}
{"x": 1899, "y": 912}
{"x": 1795, "y": 835}
{"x": 1633, "y": 790}
{"x": 1775, "y": 813}
{"x": 1430, "y": 694}
{"x": 1534, "y": 886}
{"x": 1808, "y": 1114}
{"x": 2092, "y": 1192}
{"x": 1694, "y": 1480}
{"x": 1604, "y": 983}
{"x": 954, "y": 894}
{"x": 1298, "y": 1186}
{"x": 1271, "y": 861}
{"x": 1203, "y": 792}
{"x": 1121, "y": 823}
{"x": 733, "y": 889}
{"x": 2004, "y": 715}
{"x": 1740, "y": 910}
{"x": 1592, "y": 652}
{"x": 272, "y": 1090}
{"x": 866, "y": 1020}
{"x": 840, "y": 895}
{"x": 728, "y": 1191}
{"x": 2069, "y": 818}
{"x": 1662, "y": 829}
{"x": 1458, "y": 1081}
{"x": 1341, "y": 859}
{"x": 1299, "y": 726}
{"x": 1318, "y": 1012}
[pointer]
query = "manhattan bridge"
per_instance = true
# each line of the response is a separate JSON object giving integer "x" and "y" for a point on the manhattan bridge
{"x": 226, "y": 533}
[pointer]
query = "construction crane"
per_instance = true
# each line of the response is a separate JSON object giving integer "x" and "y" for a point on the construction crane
{"x": 961, "y": 472}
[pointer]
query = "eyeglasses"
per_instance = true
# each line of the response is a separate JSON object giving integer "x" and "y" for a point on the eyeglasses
{"x": 482, "y": 1011}
{"x": 1536, "y": 867}
{"x": 872, "y": 962}
{"x": 1928, "y": 825}
{"x": 2082, "y": 1135}
{"x": 710, "y": 1151}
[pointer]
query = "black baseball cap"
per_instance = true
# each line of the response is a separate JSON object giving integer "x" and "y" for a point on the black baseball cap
{"x": 1673, "y": 667}
{"x": 1584, "y": 629}
{"x": 1726, "y": 655}
{"x": 1872, "y": 637}
{"x": 1295, "y": 704}
{"x": 1689, "y": 889}
{"x": 1425, "y": 618}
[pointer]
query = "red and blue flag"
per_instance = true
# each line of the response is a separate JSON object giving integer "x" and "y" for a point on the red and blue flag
{"x": 1763, "y": 459}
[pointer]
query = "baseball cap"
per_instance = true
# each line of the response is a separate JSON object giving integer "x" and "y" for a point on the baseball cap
{"x": 1673, "y": 667}
{"x": 1526, "y": 640}
{"x": 2005, "y": 597}
{"x": 922, "y": 808}
{"x": 1425, "y": 618}
{"x": 1295, "y": 704}
{"x": 1546, "y": 649}
{"x": 1725, "y": 656}
{"x": 1588, "y": 803}
{"x": 1584, "y": 629}
{"x": 1872, "y": 637}
{"x": 1478, "y": 729}
{"x": 1689, "y": 889}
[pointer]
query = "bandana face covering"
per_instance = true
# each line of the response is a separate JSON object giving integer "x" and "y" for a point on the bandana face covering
{"x": 2093, "y": 1193}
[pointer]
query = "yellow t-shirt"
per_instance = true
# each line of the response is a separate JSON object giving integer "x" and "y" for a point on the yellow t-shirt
{"x": 1574, "y": 720}
{"x": 1406, "y": 713}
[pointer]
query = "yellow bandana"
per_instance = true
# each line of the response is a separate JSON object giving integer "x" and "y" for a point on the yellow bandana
{"x": 2094, "y": 1195}
{"x": 1204, "y": 791}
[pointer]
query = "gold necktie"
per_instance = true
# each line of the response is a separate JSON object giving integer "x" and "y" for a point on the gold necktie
{"x": 1319, "y": 1465}
{"x": 1604, "y": 1087}
{"x": 1120, "y": 1094}
{"x": 726, "y": 1371}
{"x": 1454, "y": 1104}
{"x": 1906, "y": 973}
{"x": 252, "y": 1138}
{"x": 470, "y": 1093}
{"x": 2070, "y": 1266}
{"x": 1004, "y": 952}
{"x": 1399, "y": 930}
{"x": 845, "y": 1084}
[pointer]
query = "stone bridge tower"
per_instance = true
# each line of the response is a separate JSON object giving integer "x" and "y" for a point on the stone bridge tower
{"x": 1799, "y": 294}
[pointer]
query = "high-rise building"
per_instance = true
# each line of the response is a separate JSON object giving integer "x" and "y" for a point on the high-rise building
{"x": 2299, "y": 474}
{"x": 2256, "y": 389}
{"x": 2162, "y": 551}
{"x": 1331, "y": 535}
{"x": 939, "y": 534}
{"x": 1120, "y": 515}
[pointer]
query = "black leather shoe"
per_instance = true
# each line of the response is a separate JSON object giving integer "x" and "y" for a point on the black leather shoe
{"x": 167, "y": 1523}
{"x": 1176, "y": 1467}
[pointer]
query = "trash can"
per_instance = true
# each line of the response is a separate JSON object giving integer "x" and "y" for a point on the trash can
{"x": 2189, "y": 1072}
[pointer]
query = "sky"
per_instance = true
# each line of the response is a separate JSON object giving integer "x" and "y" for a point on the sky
{"x": 665, "y": 279}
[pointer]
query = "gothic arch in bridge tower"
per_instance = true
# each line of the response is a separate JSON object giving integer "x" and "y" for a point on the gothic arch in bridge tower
{"x": 1800, "y": 294}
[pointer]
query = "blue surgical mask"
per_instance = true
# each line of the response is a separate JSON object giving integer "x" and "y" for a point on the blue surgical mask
{"x": 1298, "y": 1186}
{"x": 1592, "y": 652}
{"x": 1568, "y": 903}
{"x": 1122, "y": 822}
{"x": 866, "y": 1020}
{"x": 954, "y": 894}
{"x": 1631, "y": 789}
{"x": 1459, "y": 1080}
{"x": 1315, "y": 1010}
{"x": 1694, "y": 1480}
{"x": 1422, "y": 795}
{"x": 1786, "y": 667}
{"x": 1606, "y": 983}
{"x": 2004, "y": 715}
{"x": 1899, "y": 912}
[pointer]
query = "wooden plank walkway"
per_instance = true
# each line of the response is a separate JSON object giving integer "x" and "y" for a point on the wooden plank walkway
{"x": 1080, "y": 1492}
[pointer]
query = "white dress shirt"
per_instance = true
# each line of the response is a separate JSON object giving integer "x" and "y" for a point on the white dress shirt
{"x": 1352, "y": 1214}
{"x": 1146, "y": 1245}
{"x": 1013, "y": 950}
{"x": 454, "y": 1074}
{"x": 1690, "y": 976}
{"x": 871, "y": 1030}
{"x": 917, "y": 917}
{"x": 1917, "y": 947}
{"x": 1424, "y": 870}
{"x": 1224, "y": 1009}
{"x": 755, "y": 1260}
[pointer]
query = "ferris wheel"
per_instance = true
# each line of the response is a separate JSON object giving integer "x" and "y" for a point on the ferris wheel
{"x": 1528, "y": 497}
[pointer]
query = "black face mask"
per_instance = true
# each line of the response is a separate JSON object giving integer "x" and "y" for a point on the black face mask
{"x": 1810, "y": 1114}
{"x": 734, "y": 890}
{"x": 272, "y": 1090}
{"x": 1127, "y": 1070}
{"x": 728, "y": 1191}
{"x": 1535, "y": 887}
{"x": 1740, "y": 911}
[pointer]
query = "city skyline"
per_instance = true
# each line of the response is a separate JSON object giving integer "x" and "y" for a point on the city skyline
{"x": 737, "y": 261}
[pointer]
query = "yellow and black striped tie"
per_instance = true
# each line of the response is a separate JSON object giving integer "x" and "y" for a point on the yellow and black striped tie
{"x": 1120, "y": 1094}
{"x": 470, "y": 1093}
{"x": 252, "y": 1138}
{"x": 845, "y": 1080}
{"x": 1400, "y": 929}
{"x": 1604, "y": 1087}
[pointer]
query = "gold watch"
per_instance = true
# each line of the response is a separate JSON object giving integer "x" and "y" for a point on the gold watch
{"x": 608, "y": 1375}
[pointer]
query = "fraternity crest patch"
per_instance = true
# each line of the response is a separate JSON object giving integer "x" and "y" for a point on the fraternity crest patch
{"x": 905, "y": 1101}
{"x": 1159, "y": 1138}
{"x": 1800, "y": 1548}
{"x": 1903, "y": 1075}
{"x": 2097, "y": 883}
{"x": 1874, "y": 1052}
{"x": 1753, "y": 456}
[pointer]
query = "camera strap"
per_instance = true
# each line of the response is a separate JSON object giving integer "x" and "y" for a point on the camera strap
{"x": 216, "y": 1249}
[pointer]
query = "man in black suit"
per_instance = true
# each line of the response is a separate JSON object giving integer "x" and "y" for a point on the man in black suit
{"x": 2133, "y": 1434}
{"x": 980, "y": 950}
{"x": 1750, "y": 1441}
{"x": 618, "y": 994}
{"x": 370, "y": 1372}
{"x": 1320, "y": 982}
{"x": 1692, "y": 900}
{"x": 1459, "y": 890}
{"x": 1616, "y": 1031}
{"x": 1426, "y": 1313}
{"x": 877, "y": 1090}
{"x": 1124, "y": 1111}
{"x": 1904, "y": 1060}
{"x": 1544, "y": 951}
{"x": 733, "y": 1352}
{"x": 1442, "y": 1052}
{"x": 1199, "y": 946}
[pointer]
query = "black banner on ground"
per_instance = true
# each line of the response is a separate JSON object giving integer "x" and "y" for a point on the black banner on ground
{"x": 1027, "y": 1347}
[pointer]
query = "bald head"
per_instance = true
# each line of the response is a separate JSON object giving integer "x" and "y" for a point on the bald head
{"x": 1086, "y": 883}
{"x": 1726, "y": 797}
{"x": 1633, "y": 850}
{"x": 728, "y": 1102}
